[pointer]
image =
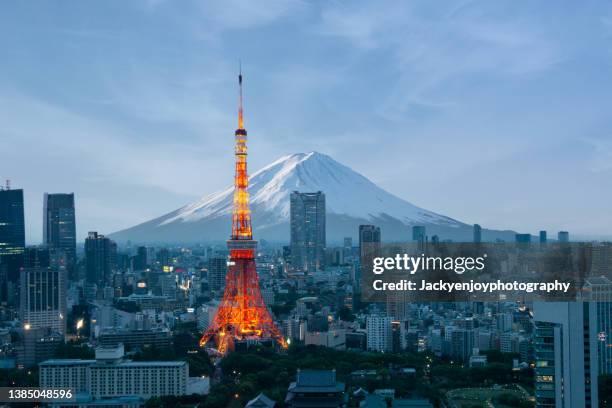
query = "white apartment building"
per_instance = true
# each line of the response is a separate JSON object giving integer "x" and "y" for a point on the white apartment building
{"x": 110, "y": 375}
{"x": 380, "y": 335}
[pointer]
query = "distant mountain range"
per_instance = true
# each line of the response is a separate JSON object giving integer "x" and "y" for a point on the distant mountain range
{"x": 351, "y": 200}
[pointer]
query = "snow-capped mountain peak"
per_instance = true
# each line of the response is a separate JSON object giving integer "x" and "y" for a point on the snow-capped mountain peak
{"x": 347, "y": 193}
{"x": 350, "y": 198}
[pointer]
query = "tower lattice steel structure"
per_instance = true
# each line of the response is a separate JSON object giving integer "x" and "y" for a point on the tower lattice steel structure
{"x": 242, "y": 314}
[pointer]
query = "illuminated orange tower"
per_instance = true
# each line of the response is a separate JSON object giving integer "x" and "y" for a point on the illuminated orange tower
{"x": 242, "y": 314}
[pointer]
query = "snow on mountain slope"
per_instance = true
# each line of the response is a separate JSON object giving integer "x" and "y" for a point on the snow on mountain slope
{"x": 347, "y": 193}
{"x": 351, "y": 200}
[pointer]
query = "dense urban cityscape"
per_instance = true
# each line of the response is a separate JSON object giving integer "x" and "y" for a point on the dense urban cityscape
{"x": 298, "y": 285}
{"x": 120, "y": 324}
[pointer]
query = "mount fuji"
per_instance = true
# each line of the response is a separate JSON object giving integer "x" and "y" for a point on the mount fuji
{"x": 351, "y": 200}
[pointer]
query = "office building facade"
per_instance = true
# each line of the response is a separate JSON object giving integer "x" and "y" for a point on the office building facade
{"x": 307, "y": 220}
{"x": 43, "y": 298}
{"x": 110, "y": 375}
{"x": 217, "y": 269}
{"x": 98, "y": 259}
{"x": 477, "y": 238}
{"x": 566, "y": 372}
{"x": 379, "y": 332}
{"x": 12, "y": 243}
{"x": 59, "y": 227}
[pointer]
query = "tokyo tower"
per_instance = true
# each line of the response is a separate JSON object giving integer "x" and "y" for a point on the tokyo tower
{"x": 242, "y": 314}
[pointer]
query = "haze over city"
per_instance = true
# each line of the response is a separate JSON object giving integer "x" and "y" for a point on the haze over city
{"x": 490, "y": 113}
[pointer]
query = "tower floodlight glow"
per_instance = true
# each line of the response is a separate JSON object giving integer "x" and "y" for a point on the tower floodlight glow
{"x": 242, "y": 314}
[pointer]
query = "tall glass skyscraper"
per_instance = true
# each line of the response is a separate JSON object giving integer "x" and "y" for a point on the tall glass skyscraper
{"x": 12, "y": 242}
{"x": 369, "y": 248}
{"x": 418, "y": 233}
{"x": 307, "y": 231}
{"x": 12, "y": 230}
{"x": 477, "y": 234}
{"x": 98, "y": 259}
{"x": 59, "y": 227}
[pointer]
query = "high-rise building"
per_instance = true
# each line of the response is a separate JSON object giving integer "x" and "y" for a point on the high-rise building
{"x": 397, "y": 305}
{"x": 504, "y": 322}
{"x": 98, "y": 259}
{"x": 12, "y": 242}
{"x": 566, "y": 354}
{"x": 348, "y": 242}
{"x": 368, "y": 235}
{"x": 37, "y": 257}
{"x": 522, "y": 238}
{"x": 462, "y": 344}
{"x": 369, "y": 247}
{"x": 418, "y": 233}
{"x": 163, "y": 257}
{"x": 59, "y": 227}
{"x": 217, "y": 269}
{"x": 477, "y": 234}
{"x": 563, "y": 236}
{"x": 380, "y": 334}
{"x": 140, "y": 259}
{"x": 347, "y": 249}
{"x": 599, "y": 293}
{"x": 12, "y": 230}
{"x": 43, "y": 298}
{"x": 307, "y": 231}
{"x": 543, "y": 237}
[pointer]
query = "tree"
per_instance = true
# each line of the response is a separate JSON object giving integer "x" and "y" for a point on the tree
{"x": 154, "y": 402}
{"x": 605, "y": 390}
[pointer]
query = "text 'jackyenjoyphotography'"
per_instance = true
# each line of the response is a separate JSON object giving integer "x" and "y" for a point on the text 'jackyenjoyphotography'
{"x": 471, "y": 286}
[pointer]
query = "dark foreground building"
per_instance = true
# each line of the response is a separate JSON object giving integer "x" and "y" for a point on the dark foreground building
{"x": 315, "y": 388}
{"x": 12, "y": 243}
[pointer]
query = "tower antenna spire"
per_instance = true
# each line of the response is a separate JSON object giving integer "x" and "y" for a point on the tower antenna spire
{"x": 240, "y": 116}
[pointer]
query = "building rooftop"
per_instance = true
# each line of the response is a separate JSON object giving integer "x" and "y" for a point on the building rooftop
{"x": 152, "y": 363}
{"x": 67, "y": 361}
{"x": 316, "y": 378}
{"x": 124, "y": 330}
{"x": 261, "y": 401}
{"x": 411, "y": 403}
{"x": 373, "y": 401}
{"x": 598, "y": 280}
{"x": 316, "y": 381}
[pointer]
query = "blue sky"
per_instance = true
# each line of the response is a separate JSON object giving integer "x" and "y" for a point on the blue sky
{"x": 492, "y": 112}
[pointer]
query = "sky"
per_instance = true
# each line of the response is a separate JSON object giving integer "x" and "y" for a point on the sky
{"x": 497, "y": 113}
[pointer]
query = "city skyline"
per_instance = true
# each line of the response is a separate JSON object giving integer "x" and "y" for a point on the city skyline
{"x": 418, "y": 215}
{"x": 133, "y": 113}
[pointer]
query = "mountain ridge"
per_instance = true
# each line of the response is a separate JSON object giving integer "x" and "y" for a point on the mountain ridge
{"x": 351, "y": 199}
